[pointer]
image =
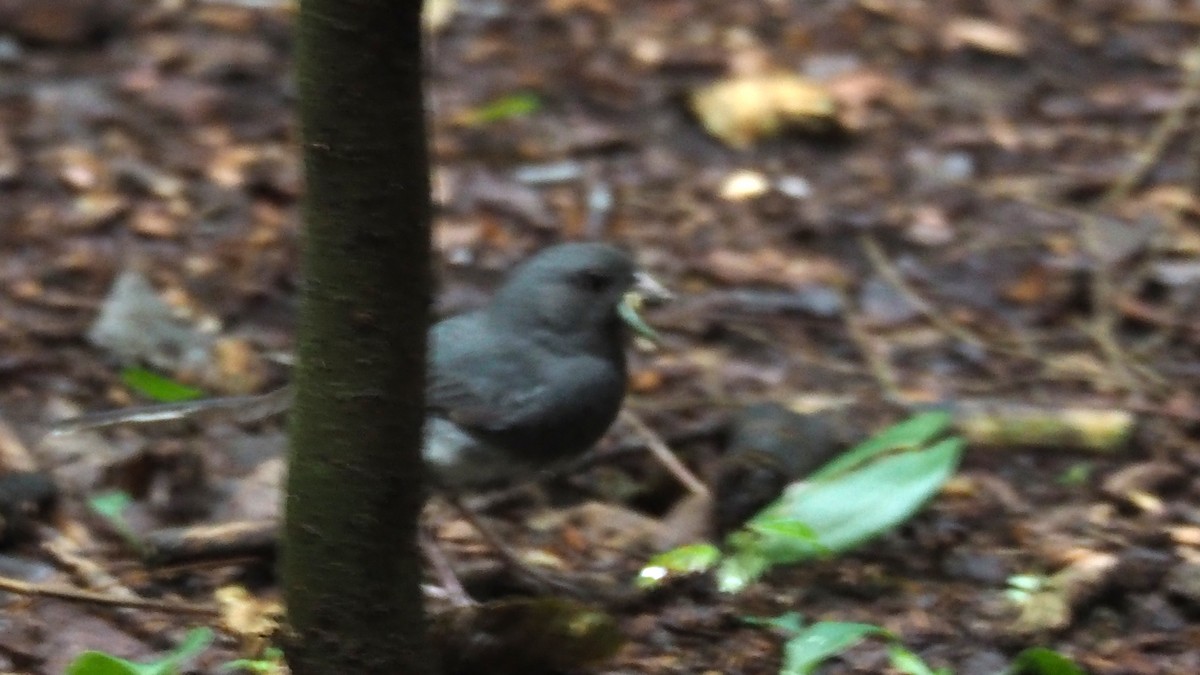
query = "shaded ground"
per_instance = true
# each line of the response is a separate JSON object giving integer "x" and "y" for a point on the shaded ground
{"x": 1008, "y": 175}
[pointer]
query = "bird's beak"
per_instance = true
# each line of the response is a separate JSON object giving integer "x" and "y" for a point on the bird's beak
{"x": 646, "y": 289}
{"x": 650, "y": 288}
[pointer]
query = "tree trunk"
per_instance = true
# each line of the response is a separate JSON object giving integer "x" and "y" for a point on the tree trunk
{"x": 350, "y": 564}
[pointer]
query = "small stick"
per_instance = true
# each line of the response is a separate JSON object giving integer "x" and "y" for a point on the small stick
{"x": 1161, "y": 136}
{"x": 1103, "y": 291}
{"x": 879, "y": 366}
{"x": 658, "y": 448}
{"x": 451, "y": 585}
{"x": 212, "y": 542}
{"x": 626, "y": 447}
{"x": 66, "y": 554}
{"x": 92, "y": 597}
{"x": 879, "y": 261}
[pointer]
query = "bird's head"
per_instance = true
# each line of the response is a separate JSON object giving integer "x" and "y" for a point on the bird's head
{"x": 577, "y": 289}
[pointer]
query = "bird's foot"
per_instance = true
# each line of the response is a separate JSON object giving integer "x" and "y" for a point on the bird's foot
{"x": 535, "y": 579}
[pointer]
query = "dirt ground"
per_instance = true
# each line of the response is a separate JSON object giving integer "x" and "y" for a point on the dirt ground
{"x": 1002, "y": 209}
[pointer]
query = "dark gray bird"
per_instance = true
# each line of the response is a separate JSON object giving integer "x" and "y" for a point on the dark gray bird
{"x": 536, "y": 376}
{"x": 539, "y": 374}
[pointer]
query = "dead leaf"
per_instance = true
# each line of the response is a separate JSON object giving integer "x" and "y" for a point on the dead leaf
{"x": 95, "y": 209}
{"x": 742, "y": 110}
{"x": 771, "y": 266}
{"x": 251, "y": 619}
{"x": 983, "y": 35}
{"x": 80, "y": 169}
{"x": 152, "y": 220}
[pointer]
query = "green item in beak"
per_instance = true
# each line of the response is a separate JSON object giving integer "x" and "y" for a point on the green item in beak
{"x": 628, "y": 308}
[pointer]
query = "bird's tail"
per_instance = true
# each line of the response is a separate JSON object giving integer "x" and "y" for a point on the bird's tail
{"x": 240, "y": 408}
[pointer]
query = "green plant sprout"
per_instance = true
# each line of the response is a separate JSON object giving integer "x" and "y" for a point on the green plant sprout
{"x": 867, "y": 491}
{"x": 100, "y": 663}
{"x": 158, "y": 388}
{"x": 111, "y": 507}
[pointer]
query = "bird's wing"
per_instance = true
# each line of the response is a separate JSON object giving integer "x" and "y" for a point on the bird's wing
{"x": 468, "y": 403}
{"x": 559, "y": 397}
{"x": 476, "y": 379}
{"x": 507, "y": 385}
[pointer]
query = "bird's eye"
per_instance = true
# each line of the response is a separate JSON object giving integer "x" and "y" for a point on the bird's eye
{"x": 593, "y": 280}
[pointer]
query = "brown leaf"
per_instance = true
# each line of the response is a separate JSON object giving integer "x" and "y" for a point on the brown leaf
{"x": 983, "y": 35}
{"x": 742, "y": 110}
{"x": 770, "y": 266}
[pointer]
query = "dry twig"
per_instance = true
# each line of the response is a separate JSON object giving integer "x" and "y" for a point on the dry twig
{"x": 884, "y": 267}
{"x": 658, "y": 448}
{"x": 96, "y": 598}
{"x": 1170, "y": 125}
{"x": 879, "y": 366}
{"x": 1104, "y": 325}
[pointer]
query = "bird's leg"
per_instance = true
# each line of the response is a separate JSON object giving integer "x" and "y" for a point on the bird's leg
{"x": 444, "y": 572}
{"x": 511, "y": 558}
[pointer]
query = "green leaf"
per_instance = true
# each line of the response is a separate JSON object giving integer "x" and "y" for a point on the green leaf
{"x": 777, "y": 539}
{"x": 786, "y": 527}
{"x": 1043, "y": 661}
{"x": 627, "y": 310}
{"x": 158, "y": 388}
{"x": 809, "y": 647}
{"x": 791, "y": 623}
{"x": 842, "y": 511}
{"x": 912, "y": 433}
{"x": 868, "y": 491}
{"x": 741, "y": 569}
{"x": 506, "y": 107}
{"x": 111, "y": 507}
{"x": 909, "y": 663}
{"x": 1076, "y": 475}
{"x": 762, "y": 545}
{"x": 812, "y": 646}
{"x": 99, "y": 663}
{"x": 690, "y": 559}
{"x": 849, "y": 509}
{"x": 1022, "y": 587}
{"x": 1028, "y": 582}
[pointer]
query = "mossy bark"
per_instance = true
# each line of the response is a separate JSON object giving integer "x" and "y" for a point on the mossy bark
{"x": 350, "y": 563}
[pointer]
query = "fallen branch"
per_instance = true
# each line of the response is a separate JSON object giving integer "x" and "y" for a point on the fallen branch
{"x": 255, "y": 538}
{"x": 96, "y": 598}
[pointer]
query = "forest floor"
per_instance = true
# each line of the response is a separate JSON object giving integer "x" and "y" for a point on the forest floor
{"x": 1002, "y": 210}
